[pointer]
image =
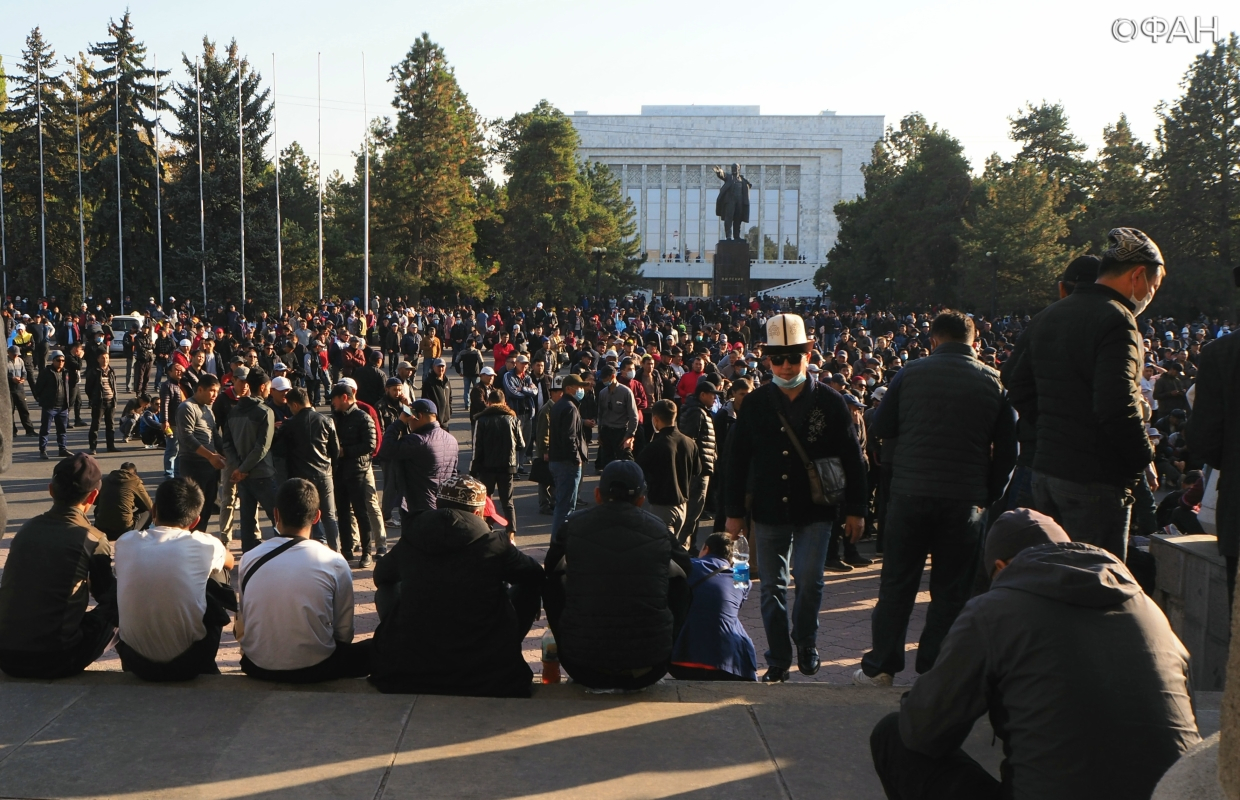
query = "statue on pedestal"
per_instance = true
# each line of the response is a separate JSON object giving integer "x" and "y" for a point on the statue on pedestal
{"x": 733, "y": 203}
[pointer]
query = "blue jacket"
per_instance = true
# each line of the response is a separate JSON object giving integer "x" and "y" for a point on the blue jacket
{"x": 713, "y": 635}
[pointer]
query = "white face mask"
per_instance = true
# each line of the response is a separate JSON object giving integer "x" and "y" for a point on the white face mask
{"x": 1143, "y": 303}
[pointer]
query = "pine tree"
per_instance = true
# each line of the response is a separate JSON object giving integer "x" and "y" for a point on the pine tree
{"x": 299, "y": 211}
{"x": 1123, "y": 195}
{"x": 1048, "y": 143}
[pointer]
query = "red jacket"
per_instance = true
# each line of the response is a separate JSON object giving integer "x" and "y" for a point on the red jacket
{"x": 688, "y": 382}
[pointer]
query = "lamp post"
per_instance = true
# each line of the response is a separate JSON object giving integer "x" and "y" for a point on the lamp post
{"x": 994, "y": 284}
{"x": 891, "y": 292}
{"x": 598, "y": 253}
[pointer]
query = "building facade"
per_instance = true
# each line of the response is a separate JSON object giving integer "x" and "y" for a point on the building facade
{"x": 799, "y": 168}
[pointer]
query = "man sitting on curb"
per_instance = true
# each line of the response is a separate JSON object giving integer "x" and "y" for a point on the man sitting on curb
{"x": 170, "y": 626}
{"x": 616, "y": 595}
{"x": 1080, "y": 672}
{"x": 296, "y": 617}
{"x": 56, "y": 563}
{"x": 455, "y": 600}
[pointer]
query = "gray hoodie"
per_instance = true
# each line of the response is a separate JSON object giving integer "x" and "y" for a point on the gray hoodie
{"x": 247, "y": 437}
{"x": 1080, "y": 672}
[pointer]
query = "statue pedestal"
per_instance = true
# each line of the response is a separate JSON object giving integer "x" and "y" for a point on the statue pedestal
{"x": 732, "y": 269}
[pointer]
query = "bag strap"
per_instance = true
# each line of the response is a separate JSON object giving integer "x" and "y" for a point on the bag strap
{"x": 249, "y": 573}
{"x": 792, "y": 436}
{"x": 705, "y": 578}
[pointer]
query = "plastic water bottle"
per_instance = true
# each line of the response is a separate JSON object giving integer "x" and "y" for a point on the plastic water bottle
{"x": 740, "y": 563}
{"x": 550, "y": 658}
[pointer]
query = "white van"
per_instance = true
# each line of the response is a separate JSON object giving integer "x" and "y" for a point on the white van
{"x": 121, "y": 323}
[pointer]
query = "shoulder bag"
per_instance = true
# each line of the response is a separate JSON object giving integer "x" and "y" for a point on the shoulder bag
{"x": 238, "y": 624}
{"x": 826, "y": 475}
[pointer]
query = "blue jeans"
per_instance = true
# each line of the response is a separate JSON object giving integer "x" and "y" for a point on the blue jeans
{"x": 1093, "y": 513}
{"x": 567, "y": 481}
{"x": 170, "y": 454}
{"x": 254, "y": 492}
{"x": 805, "y": 546}
{"x": 61, "y": 418}
{"x": 950, "y": 531}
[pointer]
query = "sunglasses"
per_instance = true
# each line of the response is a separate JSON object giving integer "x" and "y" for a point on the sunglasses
{"x": 779, "y": 361}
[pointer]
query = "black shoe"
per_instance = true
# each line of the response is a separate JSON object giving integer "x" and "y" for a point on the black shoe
{"x": 837, "y": 566}
{"x": 365, "y": 562}
{"x": 62, "y": 453}
{"x": 113, "y": 449}
{"x": 43, "y": 455}
{"x": 546, "y": 512}
{"x": 857, "y": 560}
{"x": 32, "y": 432}
{"x": 775, "y": 675}
{"x": 807, "y": 660}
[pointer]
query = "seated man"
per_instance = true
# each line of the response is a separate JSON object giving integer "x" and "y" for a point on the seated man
{"x": 296, "y": 617}
{"x": 56, "y": 563}
{"x": 123, "y": 504}
{"x": 170, "y": 626}
{"x": 616, "y": 596}
{"x": 1080, "y": 672}
{"x": 713, "y": 645}
{"x": 455, "y": 601}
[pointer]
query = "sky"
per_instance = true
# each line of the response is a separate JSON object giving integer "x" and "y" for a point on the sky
{"x": 967, "y": 66}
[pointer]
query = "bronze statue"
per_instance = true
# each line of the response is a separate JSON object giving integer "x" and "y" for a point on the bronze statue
{"x": 733, "y": 203}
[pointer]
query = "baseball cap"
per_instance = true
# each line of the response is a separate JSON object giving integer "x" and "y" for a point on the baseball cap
{"x": 77, "y": 475}
{"x": 404, "y": 365}
{"x": 489, "y": 513}
{"x": 343, "y": 390}
{"x": 523, "y": 359}
{"x": 424, "y": 406}
{"x": 622, "y": 480}
{"x": 240, "y": 373}
{"x": 487, "y": 371}
{"x": 705, "y": 385}
{"x": 439, "y": 362}
{"x": 1082, "y": 269}
{"x": 281, "y": 384}
{"x": 185, "y": 343}
{"x": 279, "y": 367}
{"x": 572, "y": 380}
{"x": 352, "y": 384}
{"x": 1017, "y": 529}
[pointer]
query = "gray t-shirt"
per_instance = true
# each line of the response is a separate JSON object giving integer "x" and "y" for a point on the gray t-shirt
{"x": 196, "y": 427}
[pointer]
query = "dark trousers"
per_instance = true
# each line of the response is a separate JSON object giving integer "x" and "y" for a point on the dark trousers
{"x": 352, "y": 497}
{"x": 499, "y": 485}
{"x": 18, "y": 396}
{"x": 348, "y": 660}
{"x": 610, "y": 447}
{"x": 75, "y": 400}
{"x": 102, "y": 409}
{"x": 61, "y": 415}
{"x": 909, "y": 775}
{"x": 198, "y": 659}
{"x": 255, "y": 492}
{"x": 98, "y": 629}
{"x": 208, "y": 479}
{"x": 950, "y": 531}
{"x": 141, "y": 376}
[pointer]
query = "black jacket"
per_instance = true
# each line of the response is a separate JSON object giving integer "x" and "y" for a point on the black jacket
{"x": 358, "y": 437}
{"x": 762, "y": 461}
{"x": 371, "y": 384}
{"x": 617, "y": 561}
{"x": 439, "y": 392}
{"x": 1083, "y": 679}
{"x": 670, "y": 461}
{"x": 1078, "y": 376}
{"x": 1213, "y": 432}
{"x": 94, "y": 384}
{"x": 453, "y": 573}
{"x": 497, "y": 440}
{"x": 309, "y": 442}
{"x": 698, "y": 424}
{"x": 568, "y": 439}
{"x": 957, "y": 432}
{"x": 51, "y": 390}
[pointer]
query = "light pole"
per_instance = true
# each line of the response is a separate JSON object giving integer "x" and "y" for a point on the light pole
{"x": 891, "y": 292}
{"x": 598, "y": 253}
{"x": 994, "y": 285}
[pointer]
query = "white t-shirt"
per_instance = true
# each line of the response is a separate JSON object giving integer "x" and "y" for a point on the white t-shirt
{"x": 1147, "y": 389}
{"x": 297, "y": 606}
{"x": 161, "y": 586}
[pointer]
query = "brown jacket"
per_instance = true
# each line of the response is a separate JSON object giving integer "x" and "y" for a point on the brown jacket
{"x": 122, "y": 499}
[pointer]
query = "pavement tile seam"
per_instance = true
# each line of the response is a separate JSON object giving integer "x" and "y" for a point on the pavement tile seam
{"x": 400, "y": 741}
{"x": 13, "y": 749}
{"x": 779, "y": 772}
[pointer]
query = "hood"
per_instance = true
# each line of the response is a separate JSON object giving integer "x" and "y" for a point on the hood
{"x": 247, "y": 403}
{"x": 446, "y": 530}
{"x": 1074, "y": 573}
{"x": 497, "y": 411}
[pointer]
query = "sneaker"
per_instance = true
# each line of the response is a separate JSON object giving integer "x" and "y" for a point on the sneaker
{"x": 394, "y": 522}
{"x": 148, "y": 447}
{"x": 861, "y": 679}
{"x": 837, "y": 566}
{"x": 93, "y": 452}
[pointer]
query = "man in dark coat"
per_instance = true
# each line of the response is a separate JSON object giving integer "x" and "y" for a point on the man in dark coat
{"x": 566, "y": 451}
{"x": 123, "y": 504}
{"x": 670, "y": 462}
{"x": 437, "y": 389}
{"x": 357, "y": 503}
{"x": 371, "y": 379}
{"x": 789, "y": 528}
{"x": 52, "y": 393}
{"x": 1078, "y": 669}
{"x": 616, "y": 595}
{"x": 427, "y": 456}
{"x": 101, "y": 392}
{"x": 310, "y": 445}
{"x": 696, "y": 421}
{"x": 453, "y": 581}
{"x": 497, "y": 441}
{"x": 1079, "y": 378}
{"x": 956, "y": 437}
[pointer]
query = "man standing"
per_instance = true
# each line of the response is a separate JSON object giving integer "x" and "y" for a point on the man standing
{"x": 789, "y": 527}
{"x": 497, "y": 441}
{"x": 310, "y": 445}
{"x": 566, "y": 451}
{"x": 426, "y": 456}
{"x": 696, "y": 421}
{"x": 521, "y": 396}
{"x": 956, "y": 446}
{"x": 170, "y": 399}
{"x": 1079, "y": 379}
{"x": 540, "y": 469}
{"x": 357, "y": 502}
{"x": 437, "y": 389}
{"x": 17, "y": 390}
{"x": 670, "y": 462}
{"x": 617, "y": 420}
{"x": 246, "y": 440}
{"x": 101, "y": 392}
{"x": 51, "y": 391}
{"x": 199, "y": 444}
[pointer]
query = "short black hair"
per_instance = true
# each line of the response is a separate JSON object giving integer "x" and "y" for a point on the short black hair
{"x": 718, "y": 545}
{"x": 206, "y": 381}
{"x": 664, "y": 411}
{"x": 297, "y": 395}
{"x": 256, "y": 380}
{"x": 298, "y": 502}
{"x": 178, "y": 502}
{"x": 144, "y": 398}
{"x": 955, "y": 326}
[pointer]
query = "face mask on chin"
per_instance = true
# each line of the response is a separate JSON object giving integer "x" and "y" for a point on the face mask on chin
{"x": 790, "y": 383}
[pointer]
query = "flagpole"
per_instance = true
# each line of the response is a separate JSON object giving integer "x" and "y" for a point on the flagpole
{"x": 275, "y": 138}
{"x": 202, "y": 209}
{"x": 241, "y": 177}
{"x": 366, "y": 194}
{"x": 319, "y": 171}
{"x": 120, "y": 227}
{"x": 77, "y": 124}
{"x": 38, "y": 83}
{"x": 4, "y": 250}
{"x": 159, "y": 216}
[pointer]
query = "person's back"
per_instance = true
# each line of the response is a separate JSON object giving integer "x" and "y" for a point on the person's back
{"x": 123, "y": 502}
{"x": 713, "y": 644}
{"x": 311, "y": 441}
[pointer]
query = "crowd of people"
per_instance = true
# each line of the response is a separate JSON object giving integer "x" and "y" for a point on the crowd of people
{"x": 1021, "y": 455}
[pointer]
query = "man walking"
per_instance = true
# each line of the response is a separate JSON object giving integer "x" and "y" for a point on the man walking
{"x": 101, "y": 393}
{"x": 955, "y": 447}
{"x": 1079, "y": 379}
{"x": 51, "y": 391}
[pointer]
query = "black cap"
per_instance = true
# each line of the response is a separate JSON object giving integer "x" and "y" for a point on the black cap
{"x": 77, "y": 475}
{"x": 1017, "y": 529}
{"x": 393, "y": 382}
{"x": 342, "y": 389}
{"x": 622, "y": 480}
{"x": 1083, "y": 269}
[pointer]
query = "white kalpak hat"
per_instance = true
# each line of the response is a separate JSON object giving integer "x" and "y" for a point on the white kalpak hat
{"x": 785, "y": 334}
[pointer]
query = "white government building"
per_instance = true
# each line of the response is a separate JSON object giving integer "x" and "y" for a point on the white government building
{"x": 800, "y": 167}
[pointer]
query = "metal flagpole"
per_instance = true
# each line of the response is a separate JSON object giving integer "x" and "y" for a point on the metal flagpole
{"x": 275, "y": 138}
{"x": 366, "y": 195}
{"x": 77, "y": 124}
{"x": 319, "y": 170}
{"x": 4, "y": 250}
{"x": 241, "y": 178}
{"x": 120, "y": 228}
{"x": 159, "y": 216}
{"x": 38, "y": 83}
{"x": 202, "y": 208}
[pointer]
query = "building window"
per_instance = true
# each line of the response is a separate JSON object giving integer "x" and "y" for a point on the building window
{"x": 789, "y": 214}
{"x": 692, "y": 233}
{"x": 654, "y": 204}
{"x": 671, "y": 246}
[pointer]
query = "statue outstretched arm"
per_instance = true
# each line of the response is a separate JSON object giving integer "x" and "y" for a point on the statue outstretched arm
{"x": 719, "y": 173}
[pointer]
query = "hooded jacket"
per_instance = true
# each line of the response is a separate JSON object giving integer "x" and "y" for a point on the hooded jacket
{"x": 455, "y": 630}
{"x": 247, "y": 437}
{"x": 1083, "y": 679}
{"x": 497, "y": 440}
